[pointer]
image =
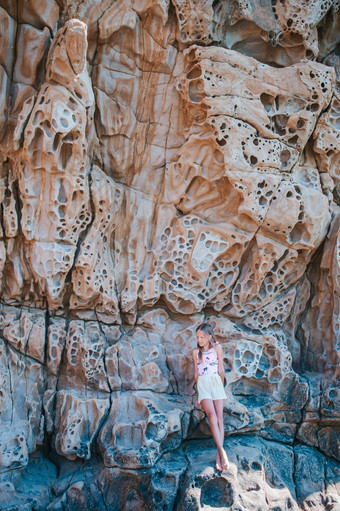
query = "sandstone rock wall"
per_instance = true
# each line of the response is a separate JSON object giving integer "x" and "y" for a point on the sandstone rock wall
{"x": 165, "y": 162}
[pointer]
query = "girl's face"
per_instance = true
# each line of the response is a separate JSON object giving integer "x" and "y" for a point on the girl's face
{"x": 202, "y": 339}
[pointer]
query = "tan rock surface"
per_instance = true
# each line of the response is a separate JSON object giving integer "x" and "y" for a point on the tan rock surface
{"x": 166, "y": 162}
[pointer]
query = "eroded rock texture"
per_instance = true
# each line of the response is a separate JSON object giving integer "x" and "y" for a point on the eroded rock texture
{"x": 165, "y": 162}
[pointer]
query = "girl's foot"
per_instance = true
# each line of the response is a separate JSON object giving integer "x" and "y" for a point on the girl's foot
{"x": 224, "y": 460}
{"x": 218, "y": 462}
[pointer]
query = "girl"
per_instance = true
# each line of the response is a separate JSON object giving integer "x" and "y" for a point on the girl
{"x": 209, "y": 375}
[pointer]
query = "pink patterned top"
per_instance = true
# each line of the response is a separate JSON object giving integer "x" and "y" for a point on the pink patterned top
{"x": 209, "y": 362}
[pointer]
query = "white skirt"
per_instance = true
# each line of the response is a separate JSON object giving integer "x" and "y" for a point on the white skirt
{"x": 210, "y": 386}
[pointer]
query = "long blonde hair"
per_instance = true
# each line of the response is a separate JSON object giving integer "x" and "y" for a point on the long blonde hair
{"x": 207, "y": 329}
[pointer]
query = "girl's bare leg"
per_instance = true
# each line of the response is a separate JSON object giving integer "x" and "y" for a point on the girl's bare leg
{"x": 218, "y": 405}
{"x": 215, "y": 425}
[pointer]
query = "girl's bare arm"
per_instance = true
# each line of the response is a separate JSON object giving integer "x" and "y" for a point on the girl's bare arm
{"x": 219, "y": 352}
{"x": 194, "y": 356}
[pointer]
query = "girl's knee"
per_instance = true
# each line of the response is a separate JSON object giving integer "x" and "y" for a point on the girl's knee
{"x": 212, "y": 417}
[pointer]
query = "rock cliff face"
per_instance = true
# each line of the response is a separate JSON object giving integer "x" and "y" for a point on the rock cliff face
{"x": 165, "y": 162}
